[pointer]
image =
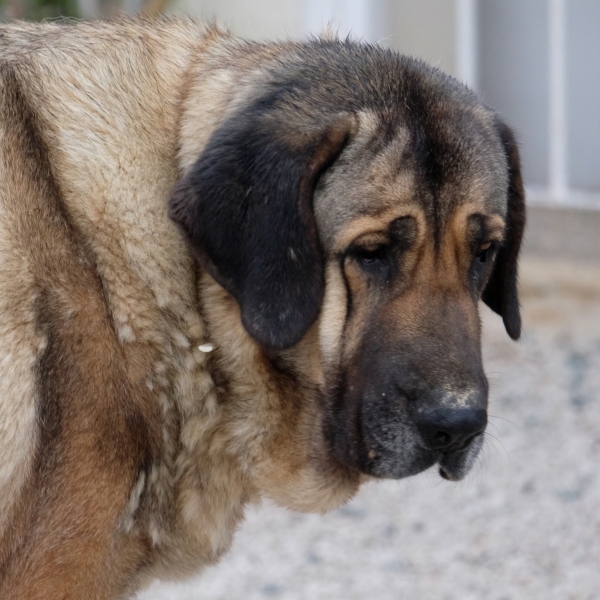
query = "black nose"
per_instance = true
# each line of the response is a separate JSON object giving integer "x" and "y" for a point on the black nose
{"x": 447, "y": 428}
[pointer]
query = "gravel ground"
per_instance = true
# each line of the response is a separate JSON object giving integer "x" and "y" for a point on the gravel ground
{"x": 525, "y": 524}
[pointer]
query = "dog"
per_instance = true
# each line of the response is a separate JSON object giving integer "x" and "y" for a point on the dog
{"x": 231, "y": 270}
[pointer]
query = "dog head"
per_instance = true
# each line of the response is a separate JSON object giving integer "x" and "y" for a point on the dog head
{"x": 357, "y": 205}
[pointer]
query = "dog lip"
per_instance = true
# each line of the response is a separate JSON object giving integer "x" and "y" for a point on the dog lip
{"x": 454, "y": 465}
{"x": 449, "y": 475}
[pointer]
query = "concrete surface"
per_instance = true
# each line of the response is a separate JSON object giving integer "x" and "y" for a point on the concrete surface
{"x": 524, "y": 525}
{"x": 567, "y": 235}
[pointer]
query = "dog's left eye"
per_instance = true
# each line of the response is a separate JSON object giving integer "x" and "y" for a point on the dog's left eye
{"x": 483, "y": 251}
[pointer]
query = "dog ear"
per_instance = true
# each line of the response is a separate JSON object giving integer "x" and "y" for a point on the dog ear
{"x": 246, "y": 209}
{"x": 501, "y": 293}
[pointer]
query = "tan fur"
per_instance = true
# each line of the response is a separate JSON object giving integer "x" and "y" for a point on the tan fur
{"x": 132, "y": 86}
{"x": 126, "y": 452}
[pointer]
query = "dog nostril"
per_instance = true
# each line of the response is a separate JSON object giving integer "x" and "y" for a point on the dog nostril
{"x": 445, "y": 429}
{"x": 442, "y": 439}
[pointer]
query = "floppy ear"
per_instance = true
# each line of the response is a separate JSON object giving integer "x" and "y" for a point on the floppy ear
{"x": 501, "y": 293}
{"x": 246, "y": 209}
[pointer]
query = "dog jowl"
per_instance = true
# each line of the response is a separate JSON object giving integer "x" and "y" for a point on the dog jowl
{"x": 375, "y": 200}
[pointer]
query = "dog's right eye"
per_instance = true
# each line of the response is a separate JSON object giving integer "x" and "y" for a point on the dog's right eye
{"x": 369, "y": 256}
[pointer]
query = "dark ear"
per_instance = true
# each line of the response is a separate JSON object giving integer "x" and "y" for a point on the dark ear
{"x": 246, "y": 209}
{"x": 501, "y": 293}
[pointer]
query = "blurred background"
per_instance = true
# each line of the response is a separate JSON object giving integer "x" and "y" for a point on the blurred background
{"x": 526, "y": 524}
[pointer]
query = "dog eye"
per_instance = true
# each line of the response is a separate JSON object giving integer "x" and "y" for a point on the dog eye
{"x": 483, "y": 250}
{"x": 369, "y": 256}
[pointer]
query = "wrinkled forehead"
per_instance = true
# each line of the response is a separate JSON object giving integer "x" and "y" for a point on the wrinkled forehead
{"x": 395, "y": 167}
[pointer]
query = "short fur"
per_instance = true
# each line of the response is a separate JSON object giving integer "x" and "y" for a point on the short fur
{"x": 328, "y": 202}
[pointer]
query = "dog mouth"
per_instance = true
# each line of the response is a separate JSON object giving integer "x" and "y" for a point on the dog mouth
{"x": 393, "y": 458}
{"x": 455, "y": 465}
{"x": 385, "y": 443}
{"x": 390, "y": 458}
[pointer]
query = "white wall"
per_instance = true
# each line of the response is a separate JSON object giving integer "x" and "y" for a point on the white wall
{"x": 539, "y": 66}
{"x": 424, "y": 28}
{"x": 253, "y": 19}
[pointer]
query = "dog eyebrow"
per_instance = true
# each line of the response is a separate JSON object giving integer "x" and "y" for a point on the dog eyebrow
{"x": 487, "y": 227}
{"x": 374, "y": 225}
{"x": 494, "y": 227}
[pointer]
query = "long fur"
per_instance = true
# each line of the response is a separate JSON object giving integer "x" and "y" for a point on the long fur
{"x": 127, "y": 451}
